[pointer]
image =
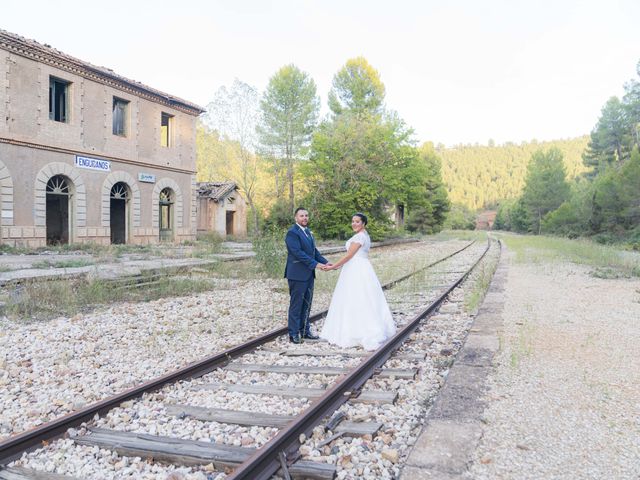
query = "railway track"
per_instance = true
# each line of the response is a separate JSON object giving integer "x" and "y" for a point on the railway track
{"x": 342, "y": 377}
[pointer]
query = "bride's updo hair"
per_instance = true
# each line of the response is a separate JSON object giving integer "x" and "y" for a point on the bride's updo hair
{"x": 362, "y": 217}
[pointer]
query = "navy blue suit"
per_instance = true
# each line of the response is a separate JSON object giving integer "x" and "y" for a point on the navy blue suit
{"x": 302, "y": 258}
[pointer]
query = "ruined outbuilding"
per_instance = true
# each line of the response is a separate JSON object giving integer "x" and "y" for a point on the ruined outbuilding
{"x": 221, "y": 209}
{"x": 485, "y": 220}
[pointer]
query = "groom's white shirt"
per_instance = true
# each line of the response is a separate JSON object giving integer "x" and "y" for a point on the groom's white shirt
{"x": 303, "y": 230}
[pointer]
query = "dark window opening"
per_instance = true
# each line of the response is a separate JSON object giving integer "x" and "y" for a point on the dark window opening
{"x": 57, "y": 205}
{"x": 229, "y": 222}
{"x": 120, "y": 110}
{"x": 165, "y": 129}
{"x": 58, "y": 99}
{"x": 118, "y": 212}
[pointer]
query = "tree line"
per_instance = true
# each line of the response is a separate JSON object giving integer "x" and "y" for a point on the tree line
{"x": 604, "y": 201}
{"x": 361, "y": 157}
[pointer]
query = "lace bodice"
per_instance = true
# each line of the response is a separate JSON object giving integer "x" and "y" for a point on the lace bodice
{"x": 363, "y": 239}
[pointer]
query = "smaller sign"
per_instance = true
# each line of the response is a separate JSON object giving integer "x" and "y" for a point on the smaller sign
{"x": 146, "y": 177}
{"x": 93, "y": 163}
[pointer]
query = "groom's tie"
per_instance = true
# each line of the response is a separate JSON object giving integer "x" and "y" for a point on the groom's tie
{"x": 307, "y": 232}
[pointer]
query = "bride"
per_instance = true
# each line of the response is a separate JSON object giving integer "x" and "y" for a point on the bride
{"x": 358, "y": 314}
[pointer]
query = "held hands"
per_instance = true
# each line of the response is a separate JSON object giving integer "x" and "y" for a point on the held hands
{"x": 326, "y": 267}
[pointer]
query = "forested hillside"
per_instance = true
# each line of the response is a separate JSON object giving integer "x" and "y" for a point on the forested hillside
{"x": 480, "y": 176}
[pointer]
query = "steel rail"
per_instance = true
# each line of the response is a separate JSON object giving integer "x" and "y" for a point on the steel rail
{"x": 266, "y": 461}
{"x": 14, "y": 446}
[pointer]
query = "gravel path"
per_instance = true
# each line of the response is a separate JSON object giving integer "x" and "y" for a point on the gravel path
{"x": 565, "y": 394}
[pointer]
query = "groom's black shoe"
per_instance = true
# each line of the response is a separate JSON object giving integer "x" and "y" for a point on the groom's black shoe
{"x": 310, "y": 336}
{"x": 295, "y": 339}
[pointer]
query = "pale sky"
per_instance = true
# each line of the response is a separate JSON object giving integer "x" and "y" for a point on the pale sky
{"x": 456, "y": 72}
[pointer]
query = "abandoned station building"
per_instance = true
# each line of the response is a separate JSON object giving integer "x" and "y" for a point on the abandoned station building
{"x": 87, "y": 155}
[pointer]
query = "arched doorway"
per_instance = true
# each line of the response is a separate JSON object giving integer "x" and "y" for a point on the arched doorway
{"x": 167, "y": 199}
{"x": 119, "y": 212}
{"x": 59, "y": 193}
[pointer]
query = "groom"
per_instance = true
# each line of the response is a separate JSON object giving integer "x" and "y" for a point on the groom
{"x": 302, "y": 259}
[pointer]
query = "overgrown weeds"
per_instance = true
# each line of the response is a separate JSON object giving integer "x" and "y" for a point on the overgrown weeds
{"x": 71, "y": 263}
{"x": 207, "y": 244}
{"x": 42, "y": 300}
{"x": 608, "y": 261}
{"x": 271, "y": 254}
{"x": 480, "y": 284}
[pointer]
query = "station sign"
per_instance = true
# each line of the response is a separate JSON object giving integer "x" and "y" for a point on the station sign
{"x": 146, "y": 177}
{"x": 93, "y": 163}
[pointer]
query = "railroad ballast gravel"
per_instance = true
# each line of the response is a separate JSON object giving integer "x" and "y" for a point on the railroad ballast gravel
{"x": 379, "y": 457}
{"x": 50, "y": 368}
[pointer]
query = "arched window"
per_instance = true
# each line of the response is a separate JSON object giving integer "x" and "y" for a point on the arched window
{"x": 58, "y": 185}
{"x": 167, "y": 198}
{"x": 120, "y": 191}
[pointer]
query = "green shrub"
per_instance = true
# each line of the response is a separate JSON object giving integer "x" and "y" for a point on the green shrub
{"x": 460, "y": 218}
{"x": 271, "y": 253}
{"x": 211, "y": 238}
{"x": 280, "y": 217}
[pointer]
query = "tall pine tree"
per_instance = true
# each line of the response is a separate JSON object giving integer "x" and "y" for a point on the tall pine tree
{"x": 546, "y": 187}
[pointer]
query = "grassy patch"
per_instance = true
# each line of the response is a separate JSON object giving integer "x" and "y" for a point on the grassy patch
{"x": 523, "y": 346}
{"x": 72, "y": 263}
{"x": 607, "y": 261}
{"x": 32, "y": 300}
{"x": 43, "y": 300}
{"x": 482, "y": 280}
{"x": 207, "y": 244}
{"x": 99, "y": 251}
{"x": 445, "y": 235}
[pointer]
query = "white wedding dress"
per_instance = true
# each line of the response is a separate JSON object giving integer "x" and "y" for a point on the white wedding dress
{"x": 358, "y": 314}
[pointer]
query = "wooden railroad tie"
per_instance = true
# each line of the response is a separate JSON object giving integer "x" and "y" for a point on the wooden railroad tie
{"x": 189, "y": 452}
{"x": 239, "y": 417}
{"x": 236, "y": 417}
{"x": 21, "y": 473}
{"x": 308, "y": 352}
{"x": 365, "y": 396}
{"x": 409, "y": 374}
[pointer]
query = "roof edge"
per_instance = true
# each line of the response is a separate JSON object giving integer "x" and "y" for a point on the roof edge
{"x": 45, "y": 54}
